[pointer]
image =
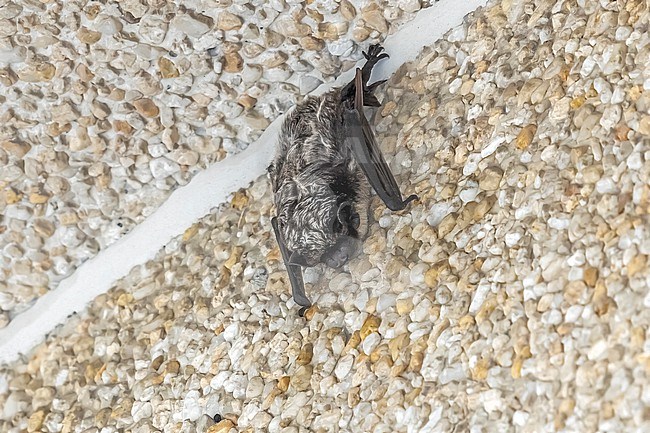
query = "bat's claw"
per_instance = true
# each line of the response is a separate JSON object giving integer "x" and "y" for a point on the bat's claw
{"x": 308, "y": 312}
{"x": 410, "y": 199}
{"x": 375, "y": 53}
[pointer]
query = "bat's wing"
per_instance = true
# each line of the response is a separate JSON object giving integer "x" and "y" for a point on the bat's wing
{"x": 294, "y": 271}
{"x": 365, "y": 149}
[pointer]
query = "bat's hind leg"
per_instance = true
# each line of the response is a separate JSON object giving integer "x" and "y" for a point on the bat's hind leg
{"x": 373, "y": 55}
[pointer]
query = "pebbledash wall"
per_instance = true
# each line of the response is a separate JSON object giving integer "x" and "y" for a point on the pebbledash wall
{"x": 89, "y": 163}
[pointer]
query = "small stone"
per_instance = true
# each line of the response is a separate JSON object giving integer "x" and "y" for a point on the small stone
{"x": 312, "y": 43}
{"x": 375, "y": 20}
{"x": 222, "y": 426}
{"x": 525, "y": 137}
{"x": 37, "y": 73}
{"x": 15, "y": 148}
{"x": 637, "y": 264}
{"x": 370, "y": 325}
{"x": 233, "y": 63}
{"x": 447, "y": 225}
{"x": 283, "y": 383}
{"x": 88, "y": 36}
{"x": 228, "y": 21}
{"x": 36, "y": 421}
{"x": 167, "y": 68}
{"x": 240, "y": 199}
{"x": 38, "y": 198}
{"x": 306, "y": 354}
{"x": 490, "y": 179}
{"x": 146, "y": 107}
{"x": 247, "y": 101}
{"x": 590, "y": 276}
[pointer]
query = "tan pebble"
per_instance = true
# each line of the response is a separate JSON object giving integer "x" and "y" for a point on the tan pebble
{"x": 312, "y": 43}
{"x": 190, "y": 232}
{"x": 68, "y": 218}
{"x": 124, "y": 299}
{"x": 515, "y": 369}
{"x": 353, "y": 342}
{"x": 11, "y": 196}
{"x": 347, "y": 10}
{"x": 233, "y": 63}
{"x": 167, "y": 68}
{"x": 602, "y": 303}
{"x": 84, "y": 73}
{"x": 123, "y": 127}
{"x": 483, "y": 207}
{"x": 301, "y": 379}
{"x": 306, "y": 354}
{"x": 247, "y": 101}
{"x": 404, "y": 306}
{"x": 88, "y": 36}
{"x": 621, "y": 132}
{"x": 15, "y": 148}
{"x": 283, "y": 383}
{"x": 146, "y": 107}
{"x": 644, "y": 125}
{"x": 240, "y": 199}
{"x": 354, "y": 397}
{"x": 36, "y": 73}
{"x": 228, "y": 21}
{"x": 447, "y": 224}
{"x": 577, "y": 102}
{"x": 370, "y": 325}
{"x": 432, "y": 274}
{"x": 375, "y": 20}
{"x": 490, "y": 178}
{"x": 480, "y": 370}
{"x": 637, "y": 264}
{"x": 397, "y": 344}
{"x": 38, "y": 198}
{"x": 360, "y": 34}
{"x": 525, "y": 137}
{"x": 388, "y": 108}
{"x": 481, "y": 67}
{"x": 36, "y": 421}
{"x": 310, "y": 312}
{"x": 173, "y": 367}
{"x": 332, "y": 31}
{"x": 235, "y": 255}
{"x": 222, "y": 426}
{"x": 590, "y": 276}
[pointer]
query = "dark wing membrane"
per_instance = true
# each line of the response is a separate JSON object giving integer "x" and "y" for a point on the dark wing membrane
{"x": 365, "y": 149}
{"x": 294, "y": 271}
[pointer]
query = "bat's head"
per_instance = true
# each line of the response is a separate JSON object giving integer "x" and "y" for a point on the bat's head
{"x": 323, "y": 227}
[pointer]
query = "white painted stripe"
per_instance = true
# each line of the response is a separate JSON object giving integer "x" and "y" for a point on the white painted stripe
{"x": 207, "y": 190}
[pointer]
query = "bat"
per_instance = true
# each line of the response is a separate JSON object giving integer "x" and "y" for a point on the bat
{"x": 327, "y": 160}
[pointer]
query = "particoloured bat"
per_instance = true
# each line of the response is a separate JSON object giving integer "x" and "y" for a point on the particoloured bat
{"x": 327, "y": 159}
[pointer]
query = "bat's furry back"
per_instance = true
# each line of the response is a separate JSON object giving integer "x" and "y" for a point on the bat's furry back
{"x": 321, "y": 193}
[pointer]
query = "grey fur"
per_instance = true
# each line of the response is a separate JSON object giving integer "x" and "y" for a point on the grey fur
{"x": 327, "y": 160}
{"x": 312, "y": 160}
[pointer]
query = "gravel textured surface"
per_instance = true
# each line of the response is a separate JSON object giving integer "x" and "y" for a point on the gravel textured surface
{"x": 513, "y": 297}
{"x": 106, "y": 107}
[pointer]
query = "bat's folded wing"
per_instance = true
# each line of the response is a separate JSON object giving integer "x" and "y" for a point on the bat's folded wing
{"x": 294, "y": 271}
{"x": 365, "y": 149}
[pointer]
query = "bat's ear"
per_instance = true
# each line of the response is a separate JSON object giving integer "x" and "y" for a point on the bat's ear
{"x": 347, "y": 216}
{"x": 297, "y": 259}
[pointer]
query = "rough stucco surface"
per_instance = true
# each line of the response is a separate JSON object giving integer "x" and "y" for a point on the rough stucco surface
{"x": 107, "y": 107}
{"x": 512, "y": 297}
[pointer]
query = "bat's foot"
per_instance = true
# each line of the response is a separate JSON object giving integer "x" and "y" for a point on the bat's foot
{"x": 375, "y": 53}
{"x": 308, "y": 312}
{"x": 373, "y": 56}
{"x": 410, "y": 199}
